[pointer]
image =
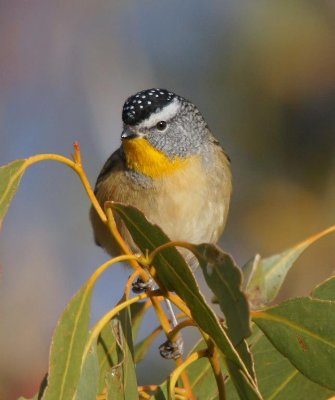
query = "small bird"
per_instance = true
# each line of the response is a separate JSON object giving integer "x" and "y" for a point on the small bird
{"x": 170, "y": 167}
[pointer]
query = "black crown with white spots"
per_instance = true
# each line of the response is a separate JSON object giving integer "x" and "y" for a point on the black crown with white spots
{"x": 142, "y": 104}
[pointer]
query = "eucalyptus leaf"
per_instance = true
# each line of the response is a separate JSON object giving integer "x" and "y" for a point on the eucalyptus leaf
{"x": 265, "y": 276}
{"x": 224, "y": 278}
{"x": 277, "y": 377}
{"x": 108, "y": 354}
{"x": 303, "y": 330}
{"x": 10, "y": 177}
{"x": 121, "y": 383}
{"x": 326, "y": 290}
{"x": 67, "y": 347}
{"x": 89, "y": 379}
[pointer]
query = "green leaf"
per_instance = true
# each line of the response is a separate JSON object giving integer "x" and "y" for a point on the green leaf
{"x": 224, "y": 278}
{"x": 326, "y": 290}
{"x": 89, "y": 378}
{"x": 10, "y": 177}
{"x": 117, "y": 370}
{"x": 277, "y": 377}
{"x": 108, "y": 355}
{"x": 121, "y": 381}
{"x": 303, "y": 330}
{"x": 268, "y": 274}
{"x": 176, "y": 276}
{"x": 201, "y": 376}
{"x": 67, "y": 347}
{"x": 125, "y": 320}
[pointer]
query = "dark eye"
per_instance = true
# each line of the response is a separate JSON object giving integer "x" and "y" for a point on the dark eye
{"x": 161, "y": 125}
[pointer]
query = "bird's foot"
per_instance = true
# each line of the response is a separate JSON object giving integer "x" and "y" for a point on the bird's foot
{"x": 139, "y": 286}
{"x": 172, "y": 350}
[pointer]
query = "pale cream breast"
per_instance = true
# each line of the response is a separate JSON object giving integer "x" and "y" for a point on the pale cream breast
{"x": 191, "y": 204}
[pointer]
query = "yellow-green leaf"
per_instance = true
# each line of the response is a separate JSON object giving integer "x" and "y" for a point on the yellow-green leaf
{"x": 121, "y": 383}
{"x": 277, "y": 377}
{"x": 89, "y": 378}
{"x": 67, "y": 347}
{"x": 303, "y": 330}
{"x": 268, "y": 274}
{"x": 326, "y": 290}
{"x": 10, "y": 177}
{"x": 224, "y": 277}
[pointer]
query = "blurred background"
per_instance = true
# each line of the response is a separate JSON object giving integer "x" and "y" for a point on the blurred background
{"x": 262, "y": 73}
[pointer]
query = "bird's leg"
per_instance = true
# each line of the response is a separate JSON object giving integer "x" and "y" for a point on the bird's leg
{"x": 172, "y": 349}
{"x": 169, "y": 349}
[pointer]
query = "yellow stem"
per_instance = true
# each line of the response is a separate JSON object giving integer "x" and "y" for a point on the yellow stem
{"x": 107, "y": 317}
{"x": 168, "y": 245}
{"x": 177, "y": 372}
{"x": 183, "y": 324}
{"x": 148, "y": 388}
{"x": 216, "y": 367}
{"x": 143, "y": 395}
{"x": 93, "y": 278}
{"x": 123, "y": 245}
{"x": 163, "y": 320}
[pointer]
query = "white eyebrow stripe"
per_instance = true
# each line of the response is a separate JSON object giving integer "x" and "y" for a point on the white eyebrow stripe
{"x": 165, "y": 114}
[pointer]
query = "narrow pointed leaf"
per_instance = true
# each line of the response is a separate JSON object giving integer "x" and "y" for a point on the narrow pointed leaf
{"x": 121, "y": 381}
{"x": 117, "y": 372}
{"x": 107, "y": 351}
{"x": 175, "y": 274}
{"x": 89, "y": 378}
{"x": 124, "y": 318}
{"x": 115, "y": 353}
{"x": 224, "y": 278}
{"x": 303, "y": 330}
{"x": 10, "y": 177}
{"x": 67, "y": 347}
{"x": 269, "y": 273}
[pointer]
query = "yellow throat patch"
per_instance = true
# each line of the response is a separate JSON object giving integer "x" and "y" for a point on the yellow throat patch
{"x": 142, "y": 157}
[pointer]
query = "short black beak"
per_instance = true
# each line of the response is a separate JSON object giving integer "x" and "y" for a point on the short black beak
{"x": 128, "y": 134}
